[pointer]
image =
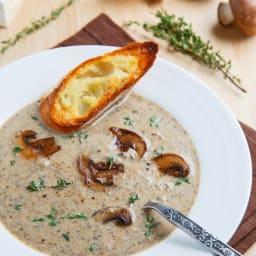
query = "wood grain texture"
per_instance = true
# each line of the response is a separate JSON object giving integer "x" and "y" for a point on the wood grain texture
{"x": 201, "y": 13}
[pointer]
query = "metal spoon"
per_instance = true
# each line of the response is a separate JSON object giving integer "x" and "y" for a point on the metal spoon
{"x": 192, "y": 229}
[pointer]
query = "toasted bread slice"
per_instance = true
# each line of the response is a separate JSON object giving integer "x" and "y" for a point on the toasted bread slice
{"x": 96, "y": 84}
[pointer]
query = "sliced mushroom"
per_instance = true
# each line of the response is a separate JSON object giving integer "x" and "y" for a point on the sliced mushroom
{"x": 32, "y": 148}
{"x": 84, "y": 166}
{"x": 121, "y": 216}
{"x": 98, "y": 175}
{"x": 127, "y": 139}
{"x": 102, "y": 166}
{"x": 172, "y": 164}
{"x": 106, "y": 177}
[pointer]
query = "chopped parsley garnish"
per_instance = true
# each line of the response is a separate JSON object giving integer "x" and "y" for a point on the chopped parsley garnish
{"x": 159, "y": 151}
{"x": 66, "y": 236}
{"x": 35, "y": 186}
{"x": 12, "y": 162}
{"x": 135, "y": 111}
{"x": 182, "y": 180}
{"x": 17, "y": 207}
{"x": 52, "y": 217}
{"x": 111, "y": 161}
{"x": 38, "y": 220}
{"x": 81, "y": 135}
{"x": 150, "y": 224}
{"x": 34, "y": 118}
{"x": 128, "y": 121}
{"x": 81, "y": 216}
{"x": 154, "y": 121}
{"x": 61, "y": 184}
{"x": 54, "y": 220}
{"x": 133, "y": 198}
{"x": 16, "y": 149}
{"x": 93, "y": 246}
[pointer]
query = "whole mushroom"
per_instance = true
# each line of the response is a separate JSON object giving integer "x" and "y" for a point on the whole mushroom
{"x": 240, "y": 12}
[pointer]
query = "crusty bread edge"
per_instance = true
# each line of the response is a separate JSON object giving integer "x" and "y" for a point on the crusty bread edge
{"x": 148, "y": 51}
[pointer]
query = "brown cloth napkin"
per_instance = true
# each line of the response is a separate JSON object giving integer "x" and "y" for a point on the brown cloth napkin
{"x": 102, "y": 30}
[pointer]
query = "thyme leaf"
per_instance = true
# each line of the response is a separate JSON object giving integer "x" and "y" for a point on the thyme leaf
{"x": 52, "y": 217}
{"x": 12, "y": 162}
{"x": 77, "y": 216}
{"x": 111, "y": 161}
{"x": 81, "y": 135}
{"x": 93, "y": 246}
{"x": 182, "y": 180}
{"x": 16, "y": 149}
{"x": 129, "y": 121}
{"x": 154, "y": 121}
{"x": 182, "y": 38}
{"x": 61, "y": 184}
{"x": 35, "y": 186}
{"x": 150, "y": 224}
{"x": 17, "y": 207}
{"x": 33, "y": 27}
{"x": 34, "y": 118}
{"x": 133, "y": 198}
{"x": 38, "y": 220}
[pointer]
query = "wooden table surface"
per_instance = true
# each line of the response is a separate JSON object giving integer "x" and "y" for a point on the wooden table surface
{"x": 201, "y": 13}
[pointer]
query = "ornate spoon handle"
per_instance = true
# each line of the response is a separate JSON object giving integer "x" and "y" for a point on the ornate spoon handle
{"x": 192, "y": 229}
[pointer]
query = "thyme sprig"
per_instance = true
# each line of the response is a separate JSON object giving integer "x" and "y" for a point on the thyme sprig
{"x": 111, "y": 161}
{"x": 36, "y": 186}
{"x": 133, "y": 198}
{"x": 81, "y": 216}
{"x": 182, "y": 180}
{"x": 52, "y": 217}
{"x": 66, "y": 236}
{"x": 61, "y": 184}
{"x": 150, "y": 224}
{"x": 34, "y": 26}
{"x": 16, "y": 149}
{"x": 154, "y": 121}
{"x": 93, "y": 246}
{"x": 17, "y": 207}
{"x": 128, "y": 121}
{"x": 38, "y": 220}
{"x": 182, "y": 38}
{"x": 81, "y": 135}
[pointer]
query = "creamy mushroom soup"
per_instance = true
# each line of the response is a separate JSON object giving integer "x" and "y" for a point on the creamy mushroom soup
{"x": 48, "y": 203}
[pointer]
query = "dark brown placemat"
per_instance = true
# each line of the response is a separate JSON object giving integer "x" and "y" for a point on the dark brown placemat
{"x": 102, "y": 30}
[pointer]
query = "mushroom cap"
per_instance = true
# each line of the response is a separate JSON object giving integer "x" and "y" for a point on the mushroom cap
{"x": 32, "y": 147}
{"x": 98, "y": 175}
{"x": 121, "y": 216}
{"x": 244, "y": 12}
{"x": 127, "y": 139}
{"x": 172, "y": 164}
